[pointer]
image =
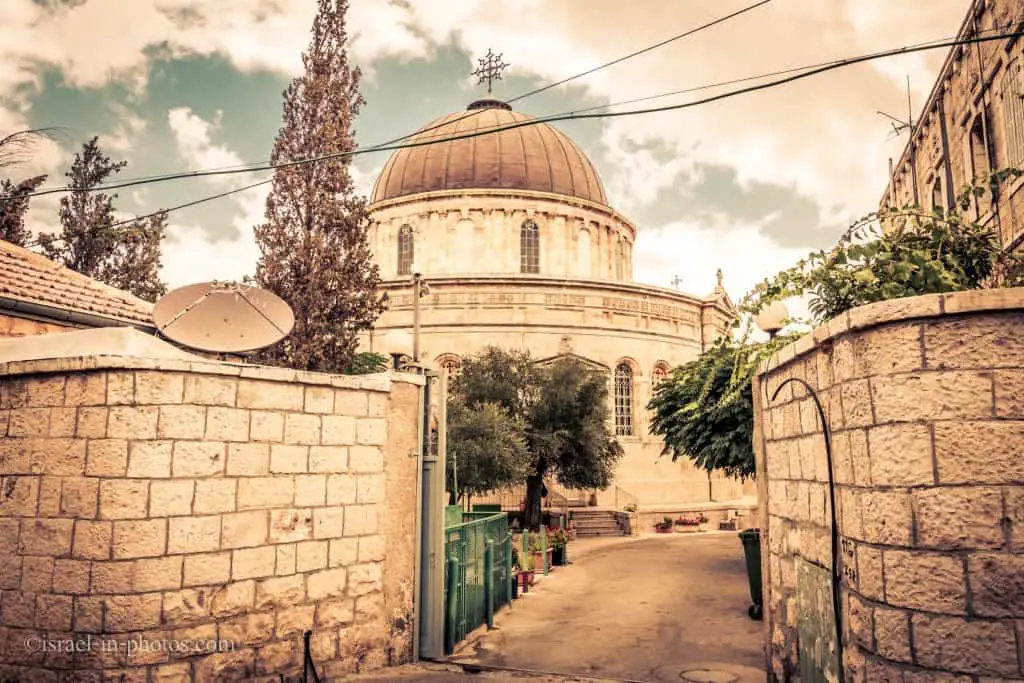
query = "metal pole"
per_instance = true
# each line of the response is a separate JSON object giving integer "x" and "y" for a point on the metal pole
{"x": 452, "y": 608}
{"x": 509, "y": 578}
{"x": 489, "y": 581}
{"x": 416, "y": 318}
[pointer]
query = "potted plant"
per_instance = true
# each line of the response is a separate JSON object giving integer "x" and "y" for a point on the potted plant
{"x": 664, "y": 526}
{"x": 525, "y": 573}
{"x": 689, "y": 525}
{"x": 558, "y": 539}
{"x": 541, "y": 559}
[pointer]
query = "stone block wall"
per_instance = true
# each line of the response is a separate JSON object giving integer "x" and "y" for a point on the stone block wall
{"x": 180, "y": 521}
{"x": 924, "y": 399}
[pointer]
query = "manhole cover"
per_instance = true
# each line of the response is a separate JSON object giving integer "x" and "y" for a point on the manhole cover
{"x": 708, "y": 676}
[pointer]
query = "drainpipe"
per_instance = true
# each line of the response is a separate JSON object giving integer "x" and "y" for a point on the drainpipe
{"x": 950, "y": 194}
{"x": 45, "y": 313}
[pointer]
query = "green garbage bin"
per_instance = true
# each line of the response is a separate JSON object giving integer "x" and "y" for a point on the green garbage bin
{"x": 751, "y": 539}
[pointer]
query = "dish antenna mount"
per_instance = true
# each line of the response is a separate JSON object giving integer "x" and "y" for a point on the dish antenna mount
{"x": 223, "y": 317}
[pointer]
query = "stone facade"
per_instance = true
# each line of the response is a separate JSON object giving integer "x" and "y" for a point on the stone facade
{"x": 188, "y": 521}
{"x": 478, "y": 231}
{"x": 606, "y": 324}
{"x": 972, "y": 123}
{"x": 13, "y": 326}
{"x": 923, "y": 402}
{"x": 512, "y": 230}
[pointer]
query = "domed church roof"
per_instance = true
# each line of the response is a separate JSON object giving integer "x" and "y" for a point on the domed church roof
{"x": 536, "y": 157}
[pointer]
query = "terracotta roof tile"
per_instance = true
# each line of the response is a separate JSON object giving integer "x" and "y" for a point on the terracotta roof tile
{"x": 26, "y": 276}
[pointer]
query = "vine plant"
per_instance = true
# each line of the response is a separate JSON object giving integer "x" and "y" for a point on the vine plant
{"x": 704, "y": 411}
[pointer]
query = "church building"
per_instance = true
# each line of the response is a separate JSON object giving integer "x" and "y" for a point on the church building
{"x": 513, "y": 233}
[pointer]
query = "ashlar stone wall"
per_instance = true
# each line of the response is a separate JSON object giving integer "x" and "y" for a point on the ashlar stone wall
{"x": 924, "y": 399}
{"x": 180, "y": 521}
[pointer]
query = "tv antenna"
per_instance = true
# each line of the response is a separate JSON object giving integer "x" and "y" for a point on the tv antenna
{"x": 899, "y": 125}
{"x": 223, "y": 317}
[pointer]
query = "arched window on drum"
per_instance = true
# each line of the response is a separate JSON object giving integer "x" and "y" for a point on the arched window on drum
{"x": 406, "y": 250}
{"x": 529, "y": 247}
{"x": 623, "y": 400}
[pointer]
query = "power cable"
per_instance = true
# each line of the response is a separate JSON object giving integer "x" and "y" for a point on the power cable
{"x": 707, "y": 86}
{"x": 643, "y": 51}
{"x": 244, "y": 167}
{"x": 782, "y": 72}
{"x": 572, "y": 116}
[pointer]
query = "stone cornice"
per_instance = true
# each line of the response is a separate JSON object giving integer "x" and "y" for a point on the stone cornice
{"x": 567, "y": 283}
{"x": 498, "y": 194}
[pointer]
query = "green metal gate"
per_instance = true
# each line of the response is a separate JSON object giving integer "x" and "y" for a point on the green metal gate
{"x": 478, "y": 573}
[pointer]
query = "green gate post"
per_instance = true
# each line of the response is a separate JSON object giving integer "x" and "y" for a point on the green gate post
{"x": 526, "y": 543}
{"x": 508, "y": 569}
{"x": 544, "y": 549}
{"x": 452, "y": 608}
{"x": 489, "y": 581}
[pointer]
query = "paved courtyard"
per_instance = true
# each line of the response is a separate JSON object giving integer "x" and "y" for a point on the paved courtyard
{"x": 653, "y": 609}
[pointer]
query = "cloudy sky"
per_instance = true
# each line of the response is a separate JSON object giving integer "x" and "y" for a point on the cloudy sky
{"x": 748, "y": 184}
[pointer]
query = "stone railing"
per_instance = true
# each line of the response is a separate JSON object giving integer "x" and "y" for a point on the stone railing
{"x": 924, "y": 402}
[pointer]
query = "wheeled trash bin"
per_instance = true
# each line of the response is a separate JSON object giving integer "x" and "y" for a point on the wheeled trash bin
{"x": 751, "y": 539}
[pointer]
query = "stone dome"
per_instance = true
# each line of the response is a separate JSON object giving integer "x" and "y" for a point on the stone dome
{"x": 536, "y": 157}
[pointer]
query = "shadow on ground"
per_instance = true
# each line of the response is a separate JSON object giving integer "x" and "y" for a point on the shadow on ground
{"x": 643, "y": 610}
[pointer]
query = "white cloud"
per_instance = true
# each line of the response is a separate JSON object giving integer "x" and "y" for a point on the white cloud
{"x": 694, "y": 253}
{"x": 820, "y": 136}
{"x": 189, "y": 255}
{"x": 129, "y": 126}
{"x": 193, "y": 136}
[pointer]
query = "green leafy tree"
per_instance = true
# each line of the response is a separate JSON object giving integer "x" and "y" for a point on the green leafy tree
{"x": 126, "y": 257}
{"x": 314, "y": 249}
{"x": 563, "y": 413}
{"x": 367, "y": 363}
{"x": 14, "y": 202}
{"x": 704, "y": 410}
{"x": 569, "y": 433}
{"x": 486, "y": 449}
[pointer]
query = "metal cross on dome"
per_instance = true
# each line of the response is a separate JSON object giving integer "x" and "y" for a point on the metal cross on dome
{"x": 489, "y": 69}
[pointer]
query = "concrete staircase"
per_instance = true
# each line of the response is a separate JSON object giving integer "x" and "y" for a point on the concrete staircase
{"x": 590, "y": 523}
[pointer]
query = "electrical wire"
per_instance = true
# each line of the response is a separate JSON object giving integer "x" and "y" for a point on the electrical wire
{"x": 603, "y": 106}
{"x": 570, "y": 116}
{"x": 770, "y": 74}
{"x": 645, "y": 50}
{"x": 244, "y": 167}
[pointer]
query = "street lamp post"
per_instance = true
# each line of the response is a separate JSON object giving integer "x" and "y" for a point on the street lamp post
{"x": 773, "y": 318}
{"x": 419, "y": 289}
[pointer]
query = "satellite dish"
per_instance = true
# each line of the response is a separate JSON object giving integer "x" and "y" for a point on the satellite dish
{"x": 223, "y": 317}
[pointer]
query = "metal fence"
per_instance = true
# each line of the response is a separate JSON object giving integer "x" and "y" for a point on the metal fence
{"x": 478, "y": 573}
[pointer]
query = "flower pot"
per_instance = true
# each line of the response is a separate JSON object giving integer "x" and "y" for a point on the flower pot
{"x": 541, "y": 559}
{"x": 704, "y": 526}
{"x": 686, "y": 529}
{"x": 558, "y": 556}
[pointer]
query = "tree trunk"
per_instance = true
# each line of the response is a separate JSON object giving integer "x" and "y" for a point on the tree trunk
{"x": 532, "y": 513}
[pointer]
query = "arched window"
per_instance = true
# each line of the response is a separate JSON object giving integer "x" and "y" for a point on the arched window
{"x": 938, "y": 198}
{"x": 659, "y": 374}
{"x": 529, "y": 247}
{"x": 406, "y": 250}
{"x": 583, "y": 253}
{"x": 623, "y": 400}
{"x": 451, "y": 363}
{"x": 1013, "y": 111}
